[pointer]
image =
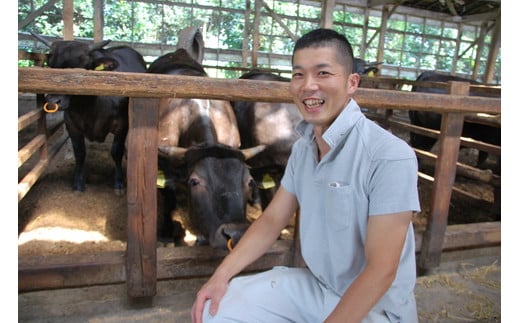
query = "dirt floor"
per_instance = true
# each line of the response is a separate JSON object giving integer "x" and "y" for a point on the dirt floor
{"x": 467, "y": 291}
{"x": 52, "y": 219}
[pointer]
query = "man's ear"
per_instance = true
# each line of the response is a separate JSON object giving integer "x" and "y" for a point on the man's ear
{"x": 353, "y": 82}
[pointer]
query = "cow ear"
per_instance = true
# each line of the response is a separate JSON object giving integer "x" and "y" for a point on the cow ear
{"x": 105, "y": 64}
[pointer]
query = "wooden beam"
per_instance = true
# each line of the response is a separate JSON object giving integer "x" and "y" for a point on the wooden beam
{"x": 68, "y": 19}
{"x": 491, "y": 15}
{"x": 451, "y": 7}
{"x": 457, "y": 48}
{"x": 466, "y": 236}
{"x": 386, "y": 13}
{"x": 79, "y": 81}
{"x": 375, "y": 3}
{"x": 493, "y": 52}
{"x": 99, "y": 20}
{"x": 279, "y": 21}
{"x": 141, "y": 252}
{"x": 246, "y": 34}
{"x": 445, "y": 171}
{"x": 480, "y": 47}
{"x": 256, "y": 33}
{"x": 327, "y": 11}
{"x": 30, "y": 179}
{"x": 76, "y": 270}
{"x": 385, "y": 16}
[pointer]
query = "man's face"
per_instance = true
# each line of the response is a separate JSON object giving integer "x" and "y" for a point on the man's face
{"x": 321, "y": 87}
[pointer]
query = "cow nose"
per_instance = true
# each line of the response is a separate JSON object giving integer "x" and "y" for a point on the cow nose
{"x": 229, "y": 234}
{"x": 52, "y": 99}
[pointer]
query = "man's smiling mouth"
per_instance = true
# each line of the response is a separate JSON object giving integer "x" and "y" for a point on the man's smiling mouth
{"x": 312, "y": 104}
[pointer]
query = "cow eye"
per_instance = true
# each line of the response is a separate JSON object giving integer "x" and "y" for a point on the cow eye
{"x": 193, "y": 182}
{"x": 252, "y": 184}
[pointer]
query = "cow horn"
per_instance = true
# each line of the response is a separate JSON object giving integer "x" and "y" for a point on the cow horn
{"x": 253, "y": 151}
{"x": 98, "y": 45}
{"x": 173, "y": 151}
{"x": 41, "y": 39}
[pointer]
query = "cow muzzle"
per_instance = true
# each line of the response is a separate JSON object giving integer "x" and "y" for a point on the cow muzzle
{"x": 228, "y": 235}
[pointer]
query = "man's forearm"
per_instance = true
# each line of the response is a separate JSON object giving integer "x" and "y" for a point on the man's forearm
{"x": 362, "y": 295}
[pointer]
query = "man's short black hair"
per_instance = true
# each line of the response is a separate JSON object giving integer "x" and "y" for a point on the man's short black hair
{"x": 323, "y": 37}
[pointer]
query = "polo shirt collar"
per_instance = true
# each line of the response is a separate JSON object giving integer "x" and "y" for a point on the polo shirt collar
{"x": 341, "y": 127}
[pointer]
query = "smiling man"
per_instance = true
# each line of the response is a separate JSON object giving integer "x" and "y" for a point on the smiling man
{"x": 356, "y": 187}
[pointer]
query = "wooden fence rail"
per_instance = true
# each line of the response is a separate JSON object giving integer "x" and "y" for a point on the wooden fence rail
{"x": 143, "y": 261}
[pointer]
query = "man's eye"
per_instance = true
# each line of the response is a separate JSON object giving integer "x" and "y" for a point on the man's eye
{"x": 322, "y": 73}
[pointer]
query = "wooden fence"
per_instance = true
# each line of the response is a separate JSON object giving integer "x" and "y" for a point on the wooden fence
{"x": 143, "y": 263}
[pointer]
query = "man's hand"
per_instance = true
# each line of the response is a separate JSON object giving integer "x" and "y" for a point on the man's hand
{"x": 213, "y": 290}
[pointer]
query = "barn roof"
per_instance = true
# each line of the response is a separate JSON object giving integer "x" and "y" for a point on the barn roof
{"x": 462, "y": 10}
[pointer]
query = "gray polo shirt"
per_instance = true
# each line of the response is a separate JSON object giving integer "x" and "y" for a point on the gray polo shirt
{"x": 367, "y": 172}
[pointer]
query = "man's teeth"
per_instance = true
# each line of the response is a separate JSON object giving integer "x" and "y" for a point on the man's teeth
{"x": 313, "y": 102}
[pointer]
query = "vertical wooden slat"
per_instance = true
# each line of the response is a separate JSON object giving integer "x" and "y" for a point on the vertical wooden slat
{"x": 386, "y": 13}
{"x": 493, "y": 52}
{"x": 480, "y": 48}
{"x": 445, "y": 171}
{"x": 141, "y": 263}
{"x": 68, "y": 19}
{"x": 99, "y": 20}
{"x": 256, "y": 33}
{"x": 327, "y": 9}
{"x": 247, "y": 29}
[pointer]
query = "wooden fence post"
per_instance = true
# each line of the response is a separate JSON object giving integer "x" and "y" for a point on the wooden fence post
{"x": 445, "y": 172}
{"x": 141, "y": 262}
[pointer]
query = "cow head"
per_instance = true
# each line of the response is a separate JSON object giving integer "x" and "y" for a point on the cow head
{"x": 73, "y": 54}
{"x": 218, "y": 185}
{"x": 363, "y": 68}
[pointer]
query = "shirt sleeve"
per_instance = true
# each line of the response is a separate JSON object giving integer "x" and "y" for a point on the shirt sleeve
{"x": 393, "y": 186}
{"x": 288, "y": 179}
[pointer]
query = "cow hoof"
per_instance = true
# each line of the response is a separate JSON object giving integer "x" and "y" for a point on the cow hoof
{"x": 119, "y": 191}
{"x": 78, "y": 188}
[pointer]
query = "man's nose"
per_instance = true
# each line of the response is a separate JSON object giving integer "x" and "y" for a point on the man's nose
{"x": 309, "y": 83}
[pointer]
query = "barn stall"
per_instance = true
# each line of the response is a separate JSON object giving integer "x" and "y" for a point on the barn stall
{"x": 142, "y": 263}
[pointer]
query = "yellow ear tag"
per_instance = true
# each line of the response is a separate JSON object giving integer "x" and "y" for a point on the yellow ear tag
{"x": 161, "y": 180}
{"x": 371, "y": 74}
{"x": 100, "y": 67}
{"x": 267, "y": 182}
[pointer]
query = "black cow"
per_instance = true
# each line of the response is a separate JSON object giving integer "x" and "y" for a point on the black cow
{"x": 89, "y": 116}
{"x": 363, "y": 68}
{"x": 432, "y": 120}
{"x": 198, "y": 154}
{"x": 272, "y": 125}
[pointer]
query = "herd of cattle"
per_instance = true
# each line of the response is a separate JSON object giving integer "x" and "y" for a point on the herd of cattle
{"x": 222, "y": 155}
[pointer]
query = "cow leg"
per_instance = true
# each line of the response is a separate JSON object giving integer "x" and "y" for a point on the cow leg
{"x": 117, "y": 151}
{"x": 482, "y": 157}
{"x": 78, "y": 146}
{"x": 170, "y": 230}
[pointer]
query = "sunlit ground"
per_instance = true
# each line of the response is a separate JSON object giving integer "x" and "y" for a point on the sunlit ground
{"x": 56, "y": 234}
